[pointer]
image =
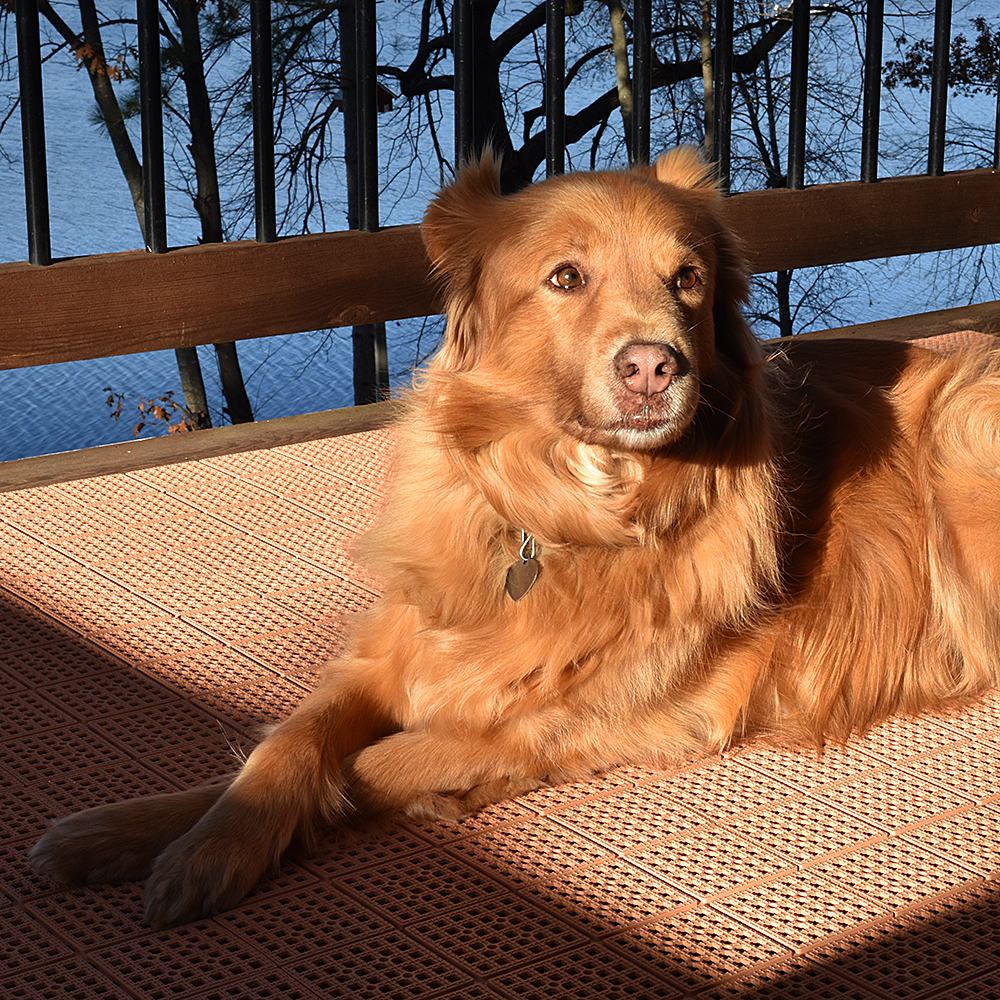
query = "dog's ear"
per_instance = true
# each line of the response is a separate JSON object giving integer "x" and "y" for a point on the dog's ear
{"x": 458, "y": 230}
{"x": 684, "y": 167}
{"x": 452, "y": 227}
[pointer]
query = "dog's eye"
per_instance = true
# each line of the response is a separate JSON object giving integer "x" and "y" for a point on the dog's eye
{"x": 566, "y": 276}
{"x": 688, "y": 277}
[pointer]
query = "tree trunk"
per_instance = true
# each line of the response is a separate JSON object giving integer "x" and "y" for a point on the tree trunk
{"x": 207, "y": 201}
{"x": 193, "y": 387}
{"x": 619, "y": 45}
{"x": 90, "y": 49}
{"x": 100, "y": 81}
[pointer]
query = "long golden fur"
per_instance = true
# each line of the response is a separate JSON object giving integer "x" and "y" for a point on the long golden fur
{"x": 730, "y": 542}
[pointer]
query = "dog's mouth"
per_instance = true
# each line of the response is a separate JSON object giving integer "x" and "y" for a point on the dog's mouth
{"x": 643, "y": 400}
{"x": 644, "y": 420}
{"x": 640, "y": 431}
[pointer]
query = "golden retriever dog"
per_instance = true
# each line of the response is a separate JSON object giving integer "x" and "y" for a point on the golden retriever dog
{"x": 619, "y": 530}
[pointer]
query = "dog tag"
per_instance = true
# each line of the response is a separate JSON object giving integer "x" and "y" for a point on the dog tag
{"x": 522, "y": 575}
{"x": 521, "y": 578}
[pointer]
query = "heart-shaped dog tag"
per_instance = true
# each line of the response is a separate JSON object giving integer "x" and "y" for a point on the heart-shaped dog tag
{"x": 521, "y": 578}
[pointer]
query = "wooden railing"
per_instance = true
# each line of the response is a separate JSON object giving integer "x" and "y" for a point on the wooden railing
{"x": 130, "y": 302}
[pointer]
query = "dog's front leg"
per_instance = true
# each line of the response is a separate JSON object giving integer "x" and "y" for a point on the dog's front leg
{"x": 119, "y": 842}
{"x": 431, "y": 773}
{"x": 290, "y": 781}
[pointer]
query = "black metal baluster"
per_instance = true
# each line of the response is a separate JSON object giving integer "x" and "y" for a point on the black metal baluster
{"x": 555, "y": 87}
{"x": 996, "y": 131}
{"x": 371, "y": 367}
{"x": 262, "y": 95}
{"x": 940, "y": 66}
{"x": 151, "y": 111}
{"x": 642, "y": 78}
{"x": 797, "y": 108}
{"x": 874, "y": 22}
{"x": 462, "y": 45}
{"x": 722, "y": 75}
{"x": 36, "y": 185}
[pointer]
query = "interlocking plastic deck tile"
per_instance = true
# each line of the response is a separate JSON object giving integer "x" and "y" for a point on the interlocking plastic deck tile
{"x": 969, "y": 766}
{"x": 52, "y": 662}
{"x": 152, "y": 623}
{"x": 980, "y": 718}
{"x": 531, "y": 848}
{"x": 74, "y": 979}
{"x": 24, "y": 808}
{"x": 896, "y": 738}
{"x": 606, "y": 896}
{"x": 392, "y": 964}
{"x": 90, "y": 918}
{"x": 496, "y": 935}
{"x": 793, "y": 979}
{"x": 312, "y": 918}
{"x": 112, "y": 782}
{"x": 723, "y": 786}
{"x": 800, "y": 908}
{"x": 349, "y": 850}
{"x": 631, "y": 818}
{"x": 709, "y": 861}
{"x": 892, "y": 797}
{"x": 970, "y": 914}
{"x": 801, "y": 830}
{"x": 806, "y": 768}
{"x": 904, "y": 960}
{"x": 591, "y": 973}
{"x": 419, "y": 886}
{"x": 894, "y": 872}
{"x": 695, "y": 946}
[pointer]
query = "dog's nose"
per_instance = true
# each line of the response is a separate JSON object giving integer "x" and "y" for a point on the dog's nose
{"x": 646, "y": 369}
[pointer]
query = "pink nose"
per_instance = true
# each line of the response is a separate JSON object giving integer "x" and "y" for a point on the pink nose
{"x": 646, "y": 369}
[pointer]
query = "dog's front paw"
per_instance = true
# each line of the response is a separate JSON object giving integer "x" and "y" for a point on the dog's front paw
{"x": 217, "y": 862}
{"x": 201, "y": 874}
{"x": 436, "y": 807}
{"x": 118, "y": 842}
{"x": 456, "y": 806}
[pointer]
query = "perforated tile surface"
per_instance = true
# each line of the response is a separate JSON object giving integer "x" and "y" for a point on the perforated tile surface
{"x": 150, "y": 623}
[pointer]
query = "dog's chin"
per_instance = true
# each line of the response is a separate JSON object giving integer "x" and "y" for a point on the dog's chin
{"x": 633, "y": 432}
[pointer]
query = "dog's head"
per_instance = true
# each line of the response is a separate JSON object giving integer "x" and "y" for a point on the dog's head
{"x": 610, "y": 303}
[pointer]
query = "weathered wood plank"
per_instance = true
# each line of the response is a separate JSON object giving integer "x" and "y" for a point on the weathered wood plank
{"x": 837, "y": 223}
{"x": 125, "y": 303}
{"x": 108, "y": 459}
{"x": 132, "y": 455}
{"x": 984, "y": 317}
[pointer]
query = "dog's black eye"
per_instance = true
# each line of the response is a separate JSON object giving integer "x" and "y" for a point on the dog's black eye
{"x": 566, "y": 276}
{"x": 688, "y": 277}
